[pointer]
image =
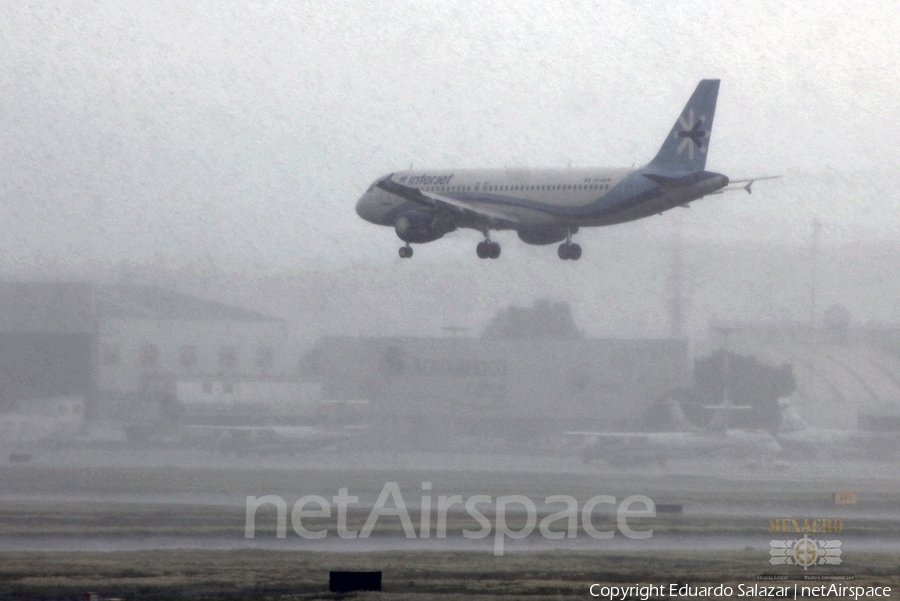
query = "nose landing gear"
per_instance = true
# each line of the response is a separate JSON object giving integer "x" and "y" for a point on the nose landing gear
{"x": 406, "y": 252}
{"x": 569, "y": 249}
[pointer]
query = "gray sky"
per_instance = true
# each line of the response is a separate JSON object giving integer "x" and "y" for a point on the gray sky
{"x": 242, "y": 133}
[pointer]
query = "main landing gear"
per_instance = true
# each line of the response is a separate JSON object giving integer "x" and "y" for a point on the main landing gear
{"x": 406, "y": 252}
{"x": 487, "y": 249}
{"x": 569, "y": 249}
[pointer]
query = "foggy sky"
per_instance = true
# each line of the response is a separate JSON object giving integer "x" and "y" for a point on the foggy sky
{"x": 242, "y": 133}
{"x": 228, "y": 137}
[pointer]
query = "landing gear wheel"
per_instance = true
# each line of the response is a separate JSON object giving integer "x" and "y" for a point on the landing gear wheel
{"x": 569, "y": 251}
{"x": 487, "y": 250}
{"x": 406, "y": 252}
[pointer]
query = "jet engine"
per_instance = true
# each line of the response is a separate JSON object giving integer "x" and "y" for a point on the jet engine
{"x": 422, "y": 226}
{"x": 545, "y": 235}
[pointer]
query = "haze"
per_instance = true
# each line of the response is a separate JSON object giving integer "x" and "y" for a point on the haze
{"x": 230, "y": 137}
{"x": 195, "y": 319}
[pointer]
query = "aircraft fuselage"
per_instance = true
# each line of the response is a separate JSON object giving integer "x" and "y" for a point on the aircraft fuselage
{"x": 544, "y": 197}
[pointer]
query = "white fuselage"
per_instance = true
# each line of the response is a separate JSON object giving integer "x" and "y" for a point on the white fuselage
{"x": 543, "y": 197}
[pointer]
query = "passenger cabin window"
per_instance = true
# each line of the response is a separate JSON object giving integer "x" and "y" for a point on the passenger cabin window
{"x": 148, "y": 355}
{"x": 110, "y": 355}
{"x": 228, "y": 358}
{"x": 187, "y": 357}
{"x": 265, "y": 357}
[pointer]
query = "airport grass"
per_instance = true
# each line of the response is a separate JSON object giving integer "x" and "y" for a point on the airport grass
{"x": 282, "y": 575}
{"x": 81, "y": 503}
{"x": 235, "y": 483}
{"x": 85, "y": 520}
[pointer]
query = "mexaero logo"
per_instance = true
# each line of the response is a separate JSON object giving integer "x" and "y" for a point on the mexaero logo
{"x": 805, "y": 552}
{"x": 691, "y": 132}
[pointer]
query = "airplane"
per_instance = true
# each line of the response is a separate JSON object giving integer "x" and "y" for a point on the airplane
{"x": 269, "y": 440}
{"x": 545, "y": 206}
{"x": 800, "y": 440}
{"x": 42, "y": 422}
{"x": 687, "y": 441}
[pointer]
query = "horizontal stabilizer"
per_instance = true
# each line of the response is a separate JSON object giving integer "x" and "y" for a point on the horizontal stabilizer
{"x": 748, "y": 183}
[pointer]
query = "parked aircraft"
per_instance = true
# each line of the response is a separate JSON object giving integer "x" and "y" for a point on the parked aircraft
{"x": 269, "y": 440}
{"x": 629, "y": 448}
{"x": 800, "y": 440}
{"x": 44, "y": 421}
{"x": 545, "y": 206}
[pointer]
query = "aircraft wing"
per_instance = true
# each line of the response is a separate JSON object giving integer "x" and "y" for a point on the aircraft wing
{"x": 430, "y": 199}
{"x": 281, "y": 432}
{"x": 603, "y": 434}
{"x": 596, "y": 437}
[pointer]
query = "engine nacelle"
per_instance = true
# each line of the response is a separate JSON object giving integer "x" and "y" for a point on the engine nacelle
{"x": 545, "y": 235}
{"x": 422, "y": 226}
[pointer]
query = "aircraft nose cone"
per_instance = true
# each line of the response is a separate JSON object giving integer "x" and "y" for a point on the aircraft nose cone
{"x": 361, "y": 208}
{"x": 367, "y": 207}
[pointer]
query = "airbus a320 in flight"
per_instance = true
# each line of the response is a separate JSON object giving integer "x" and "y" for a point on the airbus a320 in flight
{"x": 546, "y": 206}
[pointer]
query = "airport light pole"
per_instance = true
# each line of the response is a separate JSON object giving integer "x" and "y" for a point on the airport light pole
{"x": 722, "y": 417}
{"x": 814, "y": 269}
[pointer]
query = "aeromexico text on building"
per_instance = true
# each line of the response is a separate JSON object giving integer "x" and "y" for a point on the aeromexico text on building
{"x": 491, "y": 387}
{"x": 469, "y": 368}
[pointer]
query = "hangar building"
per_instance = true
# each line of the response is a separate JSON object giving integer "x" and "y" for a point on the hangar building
{"x": 847, "y": 376}
{"x": 427, "y": 389}
{"x": 123, "y": 347}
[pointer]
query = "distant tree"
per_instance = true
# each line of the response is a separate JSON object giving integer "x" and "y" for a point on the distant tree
{"x": 749, "y": 382}
{"x": 545, "y": 319}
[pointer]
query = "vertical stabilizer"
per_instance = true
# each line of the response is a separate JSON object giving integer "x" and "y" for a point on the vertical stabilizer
{"x": 684, "y": 150}
{"x": 679, "y": 420}
{"x": 790, "y": 418}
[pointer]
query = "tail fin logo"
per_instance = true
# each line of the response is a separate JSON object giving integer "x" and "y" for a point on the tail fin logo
{"x": 691, "y": 133}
